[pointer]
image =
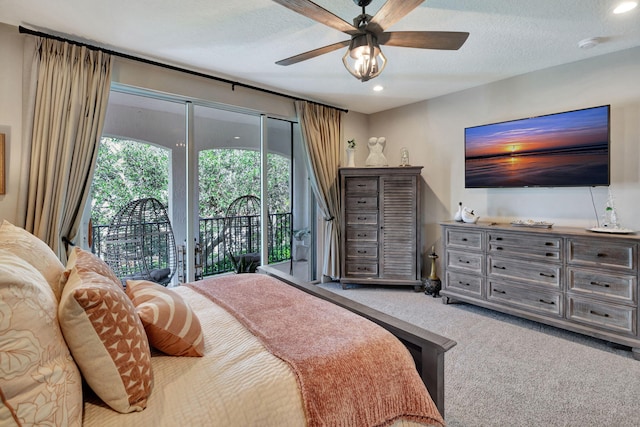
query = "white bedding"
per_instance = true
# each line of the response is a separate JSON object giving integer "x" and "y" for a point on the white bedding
{"x": 237, "y": 382}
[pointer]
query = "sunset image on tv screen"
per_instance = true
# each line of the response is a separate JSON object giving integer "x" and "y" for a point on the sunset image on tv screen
{"x": 564, "y": 149}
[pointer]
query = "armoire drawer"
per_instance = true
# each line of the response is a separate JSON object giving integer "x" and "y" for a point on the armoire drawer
{"x": 362, "y": 234}
{"x": 361, "y": 184}
{"x": 362, "y": 218}
{"x": 545, "y": 274}
{"x": 361, "y": 203}
{"x": 362, "y": 269}
{"x": 361, "y": 250}
{"x": 531, "y": 299}
{"x": 612, "y": 317}
{"x": 599, "y": 253}
{"x": 615, "y": 287}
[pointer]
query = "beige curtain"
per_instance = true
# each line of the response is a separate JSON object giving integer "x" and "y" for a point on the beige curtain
{"x": 71, "y": 97}
{"x": 321, "y": 130}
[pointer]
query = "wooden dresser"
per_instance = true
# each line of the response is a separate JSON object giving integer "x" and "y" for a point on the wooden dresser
{"x": 380, "y": 234}
{"x": 570, "y": 278}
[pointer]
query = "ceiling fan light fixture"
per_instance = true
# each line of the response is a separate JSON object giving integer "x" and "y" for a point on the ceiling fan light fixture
{"x": 364, "y": 58}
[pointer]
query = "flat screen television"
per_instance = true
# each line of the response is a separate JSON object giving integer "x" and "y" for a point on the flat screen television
{"x": 569, "y": 149}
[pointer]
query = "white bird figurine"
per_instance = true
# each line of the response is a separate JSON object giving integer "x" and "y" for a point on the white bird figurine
{"x": 469, "y": 216}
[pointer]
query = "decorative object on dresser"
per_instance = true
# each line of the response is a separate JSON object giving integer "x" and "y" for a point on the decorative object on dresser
{"x": 404, "y": 157}
{"x": 376, "y": 156}
{"x": 433, "y": 284}
{"x": 380, "y": 237}
{"x": 565, "y": 277}
{"x": 351, "y": 153}
{"x": 458, "y": 215}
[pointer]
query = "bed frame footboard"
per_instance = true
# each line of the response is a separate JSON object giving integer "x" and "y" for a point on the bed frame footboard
{"x": 427, "y": 348}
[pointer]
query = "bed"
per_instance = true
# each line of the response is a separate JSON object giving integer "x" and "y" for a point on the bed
{"x": 249, "y": 349}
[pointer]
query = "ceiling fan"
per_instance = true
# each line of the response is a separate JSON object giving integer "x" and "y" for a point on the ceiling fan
{"x": 364, "y": 58}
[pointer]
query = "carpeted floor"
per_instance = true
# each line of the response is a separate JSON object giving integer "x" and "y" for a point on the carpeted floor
{"x": 507, "y": 371}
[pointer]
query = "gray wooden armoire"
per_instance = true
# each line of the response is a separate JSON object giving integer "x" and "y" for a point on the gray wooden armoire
{"x": 380, "y": 237}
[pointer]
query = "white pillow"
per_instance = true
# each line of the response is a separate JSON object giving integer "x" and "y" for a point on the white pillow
{"x": 40, "y": 381}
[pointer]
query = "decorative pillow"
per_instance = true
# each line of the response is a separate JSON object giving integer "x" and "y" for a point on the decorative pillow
{"x": 104, "y": 334}
{"x": 171, "y": 325}
{"x": 41, "y": 385}
{"x": 33, "y": 250}
{"x": 8, "y": 415}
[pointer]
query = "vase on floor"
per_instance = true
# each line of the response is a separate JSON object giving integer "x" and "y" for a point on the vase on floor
{"x": 351, "y": 158}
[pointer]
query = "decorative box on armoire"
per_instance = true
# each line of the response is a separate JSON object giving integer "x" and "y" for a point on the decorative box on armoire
{"x": 380, "y": 232}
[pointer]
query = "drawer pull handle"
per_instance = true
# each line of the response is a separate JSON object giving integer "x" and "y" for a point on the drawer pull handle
{"x": 597, "y": 313}
{"x": 498, "y": 238}
{"x": 362, "y": 202}
{"x": 601, "y": 255}
{"x": 550, "y": 254}
{"x": 462, "y": 261}
{"x": 547, "y": 302}
{"x": 548, "y": 275}
{"x": 499, "y": 267}
{"x": 549, "y": 244}
{"x": 464, "y": 239}
{"x": 498, "y": 291}
{"x": 362, "y": 218}
{"x": 604, "y": 285}
{"x": 361, "y": 235}
{"x": 362, "y": 252}
{"x": 463, "y": 283}
{"x": 498, "y": 248}
{"x": 362, "y": 185}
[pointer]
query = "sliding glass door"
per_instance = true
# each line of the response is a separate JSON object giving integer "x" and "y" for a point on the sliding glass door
{"x": 223, "y": 167}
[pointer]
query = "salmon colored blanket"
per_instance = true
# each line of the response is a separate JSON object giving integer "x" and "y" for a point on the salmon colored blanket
{"x": 351, "y": 372}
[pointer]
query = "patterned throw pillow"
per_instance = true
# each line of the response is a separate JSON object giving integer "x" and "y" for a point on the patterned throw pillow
{"x": 34, "y": 251}
{"x": 171, "y": 326}
{"x": 41, "y": 385}
{"x": 104, "y": 334}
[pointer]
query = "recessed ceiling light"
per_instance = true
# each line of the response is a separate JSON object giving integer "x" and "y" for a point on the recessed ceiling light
{"x": 589, "y": 43}
{"x": 236, "y": 137}
{"x": 625, "y": 6}
{"x": 378, "y": 88}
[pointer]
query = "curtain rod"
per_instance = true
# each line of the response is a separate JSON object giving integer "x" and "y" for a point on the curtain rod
{"x": 233, "y": 84}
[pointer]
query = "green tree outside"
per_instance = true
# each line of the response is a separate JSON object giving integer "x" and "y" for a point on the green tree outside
{"x": 129, "y": 170}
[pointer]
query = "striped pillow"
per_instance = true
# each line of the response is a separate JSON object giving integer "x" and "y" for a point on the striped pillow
{"x": 171, "y": 325}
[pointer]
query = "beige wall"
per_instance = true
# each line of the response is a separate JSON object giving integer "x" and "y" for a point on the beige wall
{"x": 11, "y": 116}
{"x": 433, "y": 131}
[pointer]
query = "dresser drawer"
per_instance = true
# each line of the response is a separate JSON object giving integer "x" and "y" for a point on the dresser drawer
{"x": 524, "y": 242}
{"x": 526, "y": 298}
{"x": 464, "y": 239}
{"x": 599, "y": 253}
{"x": 617, "y": 318}
{"x": 359, "y": 250}
{"x": 362, "y": 218}
{"x": 468, "y": 261}
{"x": 546, "y": 274}
{"x": 361, "y": 185}
{"x": 362, "y": 234}
{"x": 529, "y": 253}
{"x": 464, "y": 283}
{"x": 362, "y": 203}
{"x": 362, "y": 269}
{"x": 615, "y": 287}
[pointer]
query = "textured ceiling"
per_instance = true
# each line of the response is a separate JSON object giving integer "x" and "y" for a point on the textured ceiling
{"x": 242, "y": 40}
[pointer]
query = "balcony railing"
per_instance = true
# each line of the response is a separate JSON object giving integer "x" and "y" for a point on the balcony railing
{"x": 213, "y": 245}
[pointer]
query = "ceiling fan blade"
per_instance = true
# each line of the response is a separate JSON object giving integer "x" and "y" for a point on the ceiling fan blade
{"x": 317, "y": 13}
{"x": 445, "y": 40}
{"x": 390, "y": 13}
{"x": 313, "y": 53}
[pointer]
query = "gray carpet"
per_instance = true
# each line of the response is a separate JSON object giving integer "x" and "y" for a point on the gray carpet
{"x": 507, "y": 371}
